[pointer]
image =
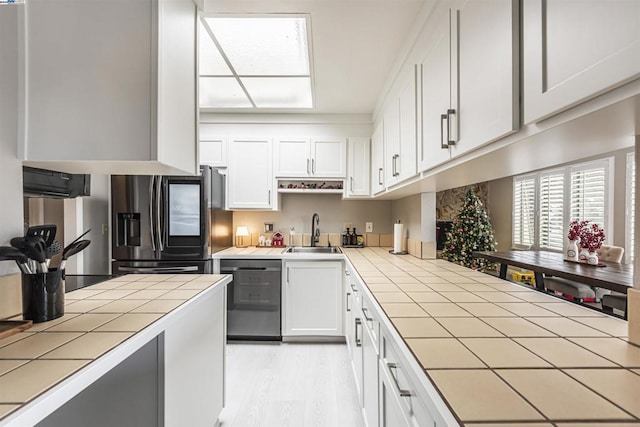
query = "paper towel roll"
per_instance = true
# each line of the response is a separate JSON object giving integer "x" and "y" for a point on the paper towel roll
{"x": 398, "y": 233}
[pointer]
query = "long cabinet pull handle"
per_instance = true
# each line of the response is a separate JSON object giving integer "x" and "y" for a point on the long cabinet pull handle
{"x": 367, "y": 318}
{"x": 443, "y": 143}
{"x": 152, "y": 180}
{"x": 380, "y": 176}
{"x": 401, "y": 392}
{"x": 450, "y": 140}
{"x": 159, "y": 207}
{"x": 397, "y": 169}
{"x": 351, "y": 180}
{"x": 348, "y": 295}
{"x": 313, "y": 166}
{"x": 358, "y": 322}
{"x": 308, "y": 173}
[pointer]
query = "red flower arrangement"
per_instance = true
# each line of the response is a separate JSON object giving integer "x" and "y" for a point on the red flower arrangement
{"x": 575, "y": 228}
{"x": 591, "y": 235}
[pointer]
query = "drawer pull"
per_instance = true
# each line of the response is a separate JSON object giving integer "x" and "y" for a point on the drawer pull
{"x": 348, "y": 295}
{"x": 393, "y": 367}
{"x": 367, "y": 318}
{"x": 358, "y": 322}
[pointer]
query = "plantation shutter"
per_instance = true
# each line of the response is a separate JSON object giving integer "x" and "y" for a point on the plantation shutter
{"x": 588, "y": 196}
{"x": 631, "y": 209}
{"x": 524, "y": 199}
{"x": 551, "y": 231}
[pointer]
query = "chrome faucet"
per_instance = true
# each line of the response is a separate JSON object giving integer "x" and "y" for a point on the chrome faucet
{"x": 315, "y": 231}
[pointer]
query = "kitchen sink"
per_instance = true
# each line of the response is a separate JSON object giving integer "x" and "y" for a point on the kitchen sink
{"x": 313, "y": 250}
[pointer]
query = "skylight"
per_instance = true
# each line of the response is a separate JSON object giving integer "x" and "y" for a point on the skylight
{"x": 255, "y": 61}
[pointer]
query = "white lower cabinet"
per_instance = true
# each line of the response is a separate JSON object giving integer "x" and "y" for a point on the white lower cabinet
{"x": 369, "y": 369}
{"x": 392, "y": 413}
{"x": 312, "y": 303}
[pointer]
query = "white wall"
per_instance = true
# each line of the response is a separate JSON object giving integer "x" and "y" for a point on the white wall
{"x": 296, "y": 210}
{"x": 11, "y": 205}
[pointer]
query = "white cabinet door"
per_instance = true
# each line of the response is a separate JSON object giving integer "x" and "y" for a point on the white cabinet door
{"x": 487, "y": 73}
{"x": 406, "y": 164}
{"x": 329, "y": 157}
{"x": 435, "y": 102}
{"x": 114, "y": 91}
{"x": 250, "y": 176}
{"x": 292, "y": 157}
{"x": 213, "y": 151}
{"x": 391, "y": 141}
{"x": 358, "y": 167}
{"x": 353, "y": 335}
{"x": 377, "y": 159}
{"x": 369, "y": 372}
{"x": 313, "y": 299}
{"x": 392, "y": 413}
{"x": 574, "y": 50}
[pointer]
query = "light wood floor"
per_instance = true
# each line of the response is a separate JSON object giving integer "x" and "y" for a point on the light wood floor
{"x": 297, "y": 385}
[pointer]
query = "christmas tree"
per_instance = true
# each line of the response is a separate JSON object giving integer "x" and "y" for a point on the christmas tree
{"x": 471, "y": 231}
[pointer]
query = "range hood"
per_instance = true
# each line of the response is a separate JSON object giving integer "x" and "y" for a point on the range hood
{"x": 59, "y": 185}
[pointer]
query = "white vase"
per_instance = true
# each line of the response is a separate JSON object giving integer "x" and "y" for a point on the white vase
{"x": 584, "y": 254}
{"x": 592, "y": 258}
{"x": 572, "y": 251}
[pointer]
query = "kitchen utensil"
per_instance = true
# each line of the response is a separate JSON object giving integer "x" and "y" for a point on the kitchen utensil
{"x": 36, "y": 249}
{"x": 53, "y": 250}
{"x": 8, "y": 253}
{"x": 78, "y": 238}
{"x": 47, "y": 232}
{"x": 73, "y": 249}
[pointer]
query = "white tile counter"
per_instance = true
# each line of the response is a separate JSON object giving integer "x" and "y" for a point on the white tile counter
{"x": 499, "y": 352}
{"x": 46, "y": 365}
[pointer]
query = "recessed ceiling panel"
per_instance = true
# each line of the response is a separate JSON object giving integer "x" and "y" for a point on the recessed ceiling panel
{"x": 279, "y": 92}
{"x": 262, "y": 46}
{"x": 211, "y": 62}
{"x": 222, "y": 92}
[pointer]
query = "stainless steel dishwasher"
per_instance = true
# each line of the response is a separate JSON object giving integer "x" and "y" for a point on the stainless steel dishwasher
{"x": 253, "y": 299}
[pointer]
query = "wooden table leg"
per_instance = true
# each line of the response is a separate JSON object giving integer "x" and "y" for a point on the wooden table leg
{"x": 503, "y": 271}
{"x": 539, "y": 277}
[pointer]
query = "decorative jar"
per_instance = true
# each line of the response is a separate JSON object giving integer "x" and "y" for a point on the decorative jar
{"x": 572, "y": 251}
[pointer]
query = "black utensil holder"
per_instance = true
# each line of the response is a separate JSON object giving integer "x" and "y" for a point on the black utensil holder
{"x": 43, "y": 296}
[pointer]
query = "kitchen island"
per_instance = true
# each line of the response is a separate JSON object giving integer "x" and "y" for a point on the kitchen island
{"x": 460, "y": 347}
{"x": 134, "y": 350}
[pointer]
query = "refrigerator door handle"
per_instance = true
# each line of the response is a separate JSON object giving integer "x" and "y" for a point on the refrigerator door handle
{"x": 151, "y": 228}
{"x": 159, "y": 212}
{"x": 159, "y": 269}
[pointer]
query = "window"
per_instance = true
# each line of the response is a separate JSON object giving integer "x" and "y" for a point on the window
{"x": 524, "y": 211}
{"x": 255, "y": 61}
{"x": 545, "y": 202}
{"x": 630, "y": 208}
{"x": 551, "y": 202}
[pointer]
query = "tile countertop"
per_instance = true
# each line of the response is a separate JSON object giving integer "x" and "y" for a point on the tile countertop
{"x": 96, "y": 320}
{"x": 503, "y": 353}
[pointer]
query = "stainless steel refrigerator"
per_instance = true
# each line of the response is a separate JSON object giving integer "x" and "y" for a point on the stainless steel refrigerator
{"x": 168, "y": 224}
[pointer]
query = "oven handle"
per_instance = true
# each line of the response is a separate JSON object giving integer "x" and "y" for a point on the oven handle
{"x": 158, "y": 269}
{"x": 231, "y": 270}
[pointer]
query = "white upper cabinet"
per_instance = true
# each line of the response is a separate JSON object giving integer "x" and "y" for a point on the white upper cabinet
{"x": 358, "y": 167}
{"x": 213, "y": 151}
{"x": 109, "y": 87}
{"x": 377, "y": 159}
{"x": 488, "y": 76}
{"x": 400, "y": 132}
{"x": 575, "y": 50}
{"x": 311, "y": 158}
{"x": 435, "y": 73}
{"x": 250, "y": 182}
{"x": 391, "y": 132}
{"x": 469, "y": 79}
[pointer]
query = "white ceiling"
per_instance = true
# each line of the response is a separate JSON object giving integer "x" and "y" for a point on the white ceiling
{"x": 355, "y": 44}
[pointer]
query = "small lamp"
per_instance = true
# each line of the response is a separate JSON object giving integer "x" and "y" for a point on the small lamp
{"x": 241, "y": 232}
